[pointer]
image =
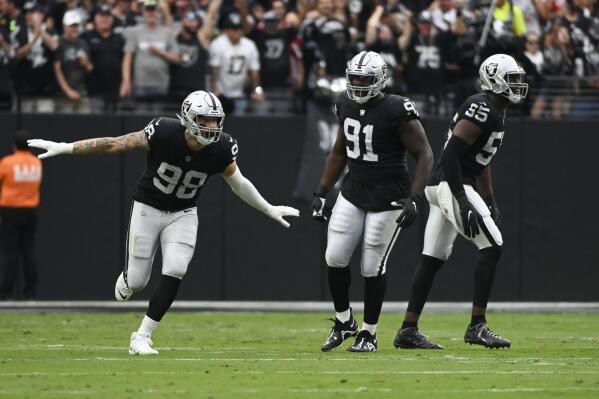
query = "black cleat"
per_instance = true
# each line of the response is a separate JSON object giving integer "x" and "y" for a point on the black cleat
{"x": 339, "y": 333}
{"x": 481, "y": 334}
{"x": 410, "y": 338}
{"x": 365, "y": 342}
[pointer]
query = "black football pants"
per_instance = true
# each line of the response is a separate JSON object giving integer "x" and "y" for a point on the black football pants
{"x": 17, "y": 236}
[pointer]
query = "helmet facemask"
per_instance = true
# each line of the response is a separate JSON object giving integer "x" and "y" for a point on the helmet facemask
{"x": 362, "y": 87}
{"x": 516, "y": 88}
{"x": 192, "y": 121}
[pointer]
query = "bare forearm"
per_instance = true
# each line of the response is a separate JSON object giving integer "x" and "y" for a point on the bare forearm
{"x": 111, "y": 145}
{"x": 332, "y": 170}
{"x": 422, "y": 173}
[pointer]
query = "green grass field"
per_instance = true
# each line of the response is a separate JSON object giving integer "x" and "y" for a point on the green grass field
{"x": 277, "y": 355}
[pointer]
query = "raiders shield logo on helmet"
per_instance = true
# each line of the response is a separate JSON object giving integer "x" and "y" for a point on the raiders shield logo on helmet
{"x": 491, "y": 69}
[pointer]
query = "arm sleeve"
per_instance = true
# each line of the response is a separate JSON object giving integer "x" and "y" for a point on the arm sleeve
{"x": 455, "y": 149}
{"x": 245, "y": 190}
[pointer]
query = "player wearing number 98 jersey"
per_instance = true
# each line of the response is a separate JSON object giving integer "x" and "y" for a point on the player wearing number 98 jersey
{"x": 182, "y": 154}
{"x": 461, "y": 200}
{"x": 376, "y": 131}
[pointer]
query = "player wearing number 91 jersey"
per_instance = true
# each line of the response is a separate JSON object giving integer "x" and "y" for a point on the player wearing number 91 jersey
{"x": 182, "y": 154}
{"x": 376, "y": 131}
{"x": 461, "y": 200}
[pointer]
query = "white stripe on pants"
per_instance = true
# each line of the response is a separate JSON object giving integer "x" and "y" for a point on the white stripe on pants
{"x": 444, "y": 222}
{"x": 349, "y": 224}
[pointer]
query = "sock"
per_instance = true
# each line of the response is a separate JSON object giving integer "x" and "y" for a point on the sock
{"x": 484, "y": 275}
{"x": 408, "y": 324}
{"x": 423, "y": 281}
{"x": 343, "y": 316}
{"x": 476, "y": 319}
{"x": 339, "y": 281}
{"x": 374, "y": 294}
{"x": 371, "y": 328}
{"x": 163, "y": 297}
{"x": 147, "y": 326}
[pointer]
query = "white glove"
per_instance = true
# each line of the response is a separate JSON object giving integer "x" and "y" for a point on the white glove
{"x": 278, "y": 212}
{"x": 52, "y": 148}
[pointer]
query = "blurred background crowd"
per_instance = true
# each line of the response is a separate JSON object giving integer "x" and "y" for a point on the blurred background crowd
{"x": 267, "y": 56}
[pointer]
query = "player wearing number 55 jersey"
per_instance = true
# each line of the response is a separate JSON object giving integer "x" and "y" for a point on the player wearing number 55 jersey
{"x": 376, "y": 131}
{"x": 461, "y": 200}
{"x": 182, "y": 154}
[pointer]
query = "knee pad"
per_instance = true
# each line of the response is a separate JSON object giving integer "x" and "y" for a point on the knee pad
{"x": 176, "y": 260}
{"x": 141, "y": 246}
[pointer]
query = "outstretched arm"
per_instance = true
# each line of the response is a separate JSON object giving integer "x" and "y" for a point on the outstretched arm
{"x": 101, "y": 145}
{"x": 245, "y": 190}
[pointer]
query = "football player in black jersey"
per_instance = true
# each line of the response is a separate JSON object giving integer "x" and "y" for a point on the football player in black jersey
{"x": 376, "y": 131}
{"x": 461, "y": 201}
{"x": 182, "y": 154}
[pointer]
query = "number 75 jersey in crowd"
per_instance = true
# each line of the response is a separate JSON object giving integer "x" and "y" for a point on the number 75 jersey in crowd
{"x": 376, "y": 158}
{"x": 479, "y": 110}
{"x": 174, "y": 174}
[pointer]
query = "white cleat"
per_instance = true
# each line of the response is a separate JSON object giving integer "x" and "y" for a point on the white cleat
{"x": 141, "y": 344}
{"x": 122, "y": 292}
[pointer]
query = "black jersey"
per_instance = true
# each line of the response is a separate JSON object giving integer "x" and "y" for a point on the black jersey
{"x": 376, "y": 157}
{"x": 479, "y": 110}
{"x": 174, "y": 174}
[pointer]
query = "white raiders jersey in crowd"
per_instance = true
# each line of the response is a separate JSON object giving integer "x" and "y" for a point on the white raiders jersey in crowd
{"x": 174, "y": 174}
{"x": 234, "y": 62}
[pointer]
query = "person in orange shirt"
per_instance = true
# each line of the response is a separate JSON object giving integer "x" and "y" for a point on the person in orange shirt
{"x": 20, "y": 180}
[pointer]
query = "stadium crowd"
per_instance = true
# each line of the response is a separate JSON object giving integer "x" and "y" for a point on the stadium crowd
{"x": 88, "y": 55}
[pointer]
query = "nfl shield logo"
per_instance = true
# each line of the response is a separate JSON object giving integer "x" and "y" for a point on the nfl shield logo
{"x": 362, "y": 112}
{"x": 187, "y": 158}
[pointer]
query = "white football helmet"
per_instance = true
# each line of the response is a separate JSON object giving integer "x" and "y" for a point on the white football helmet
{"x": 366, "y": 76}
{"x": 201, "y": 104}
{"x": 502, "y": 75}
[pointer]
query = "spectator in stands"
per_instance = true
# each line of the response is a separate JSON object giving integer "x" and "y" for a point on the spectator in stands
{"x": 381, "y": 38}
{"x": 288, "y": 19}
{"x": 508, "y": 19}
{"x": 34, "y": 45}
{"x": 327, "y": 42}
{"x": 557, "y": 62}
{"x": 6, "y": 55}
{"x": 71, "y": 65}
{"x": 194, "y": 40}
{"x": 533, "y": 51}
{"x": 59, "y": 8}
{"x": 106, "y": 54}
{"x": 531, "y": 16}
{"x": 444, "y": 14}
{"x": 273, "y": 41}
{"x": 20, "y": 179}
{"x": 232, "y": 58}
{"x": 149, "y": 49}
{"x": 10, "y": 16}
{"x": 123, "y": 16}
{"x": 427, "y": 51}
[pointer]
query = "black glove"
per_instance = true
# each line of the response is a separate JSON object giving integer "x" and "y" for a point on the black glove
{"x": 470, "y": 217}
{"x": 495, "y": 213}
{"x": 410, "y": 209}
{"x": 318, "y": 210}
